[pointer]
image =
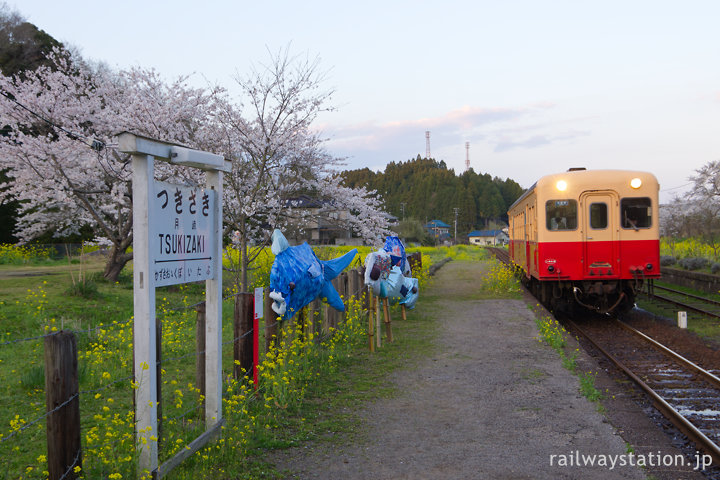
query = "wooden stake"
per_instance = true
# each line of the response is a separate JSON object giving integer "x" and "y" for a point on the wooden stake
{"x": 371, "y": 330}
{"x": 62, "y": 388}
{"x": 243, "y": 323}
{"x": 388, "y": 325}
{"x": 378, "y": 333}
{"x": 270, "y": 321}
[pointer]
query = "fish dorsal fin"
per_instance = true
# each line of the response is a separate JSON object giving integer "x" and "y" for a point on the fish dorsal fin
{"x": 332, "y": 268}
{"x": 279, "y": 242}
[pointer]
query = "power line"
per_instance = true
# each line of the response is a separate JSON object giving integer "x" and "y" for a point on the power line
{"x": 93, "y": 143}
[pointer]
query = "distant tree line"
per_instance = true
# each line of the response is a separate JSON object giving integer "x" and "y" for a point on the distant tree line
{"x": 425, "y": 189}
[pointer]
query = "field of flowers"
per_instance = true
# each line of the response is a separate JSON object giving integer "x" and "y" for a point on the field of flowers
{"x": 34, "y": 307}
{"x": 687, "y": 248}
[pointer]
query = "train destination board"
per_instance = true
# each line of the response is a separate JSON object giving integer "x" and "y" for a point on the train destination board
{"x": 181, "y": 235}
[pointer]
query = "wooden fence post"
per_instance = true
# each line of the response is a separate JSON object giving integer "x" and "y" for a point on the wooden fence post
{"x": 378, "y": 332}
{"x": 327, "y": 312}
{"x": 270, "y": 321}
{"x": 313, "y": 321}
{"x": 62, "y": 387}
{"x": 301, "y": 323}
{"x": 200, "y": 348}
{"x": 371, "y": 327}
{"x": 388, "y": 323}
{"x": 343, "y": 291}
{"x": 243, "y": 348}
{"x": 415, "y": 260}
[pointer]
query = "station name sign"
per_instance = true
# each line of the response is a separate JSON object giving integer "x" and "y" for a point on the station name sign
{"x": 182, "y": 238}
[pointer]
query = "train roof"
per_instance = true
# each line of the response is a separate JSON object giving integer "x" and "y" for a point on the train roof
{"x": 587, "y": 180}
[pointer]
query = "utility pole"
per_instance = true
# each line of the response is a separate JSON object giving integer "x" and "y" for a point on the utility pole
{"x": 402, "y": 207}
{"x": 456, "y": 210}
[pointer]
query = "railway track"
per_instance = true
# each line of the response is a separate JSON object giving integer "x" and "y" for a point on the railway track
{"x": 683, "y": 392}
{"x": 501, "y": 254}
{"x": 684, "y": 300}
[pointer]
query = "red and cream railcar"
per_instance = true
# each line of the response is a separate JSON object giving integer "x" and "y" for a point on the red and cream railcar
{"x": 587, "y": 237}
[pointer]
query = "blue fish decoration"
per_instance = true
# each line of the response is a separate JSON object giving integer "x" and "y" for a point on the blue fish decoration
{"x": 298, "y": 277}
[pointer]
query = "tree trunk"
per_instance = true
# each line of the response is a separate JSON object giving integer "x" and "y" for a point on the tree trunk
{"x": 116, "y": 262}
{"x": 244, "y": 264}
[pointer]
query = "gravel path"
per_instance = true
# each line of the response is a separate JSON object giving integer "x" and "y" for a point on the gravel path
{"x": 493, "y": 403}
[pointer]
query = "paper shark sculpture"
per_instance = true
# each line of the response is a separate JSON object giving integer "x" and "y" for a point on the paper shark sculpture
{"x": 298, "y": 277}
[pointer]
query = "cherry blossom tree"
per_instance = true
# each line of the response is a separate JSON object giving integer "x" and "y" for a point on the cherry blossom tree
{"x": 277, "y": 155}
{"x": 66, "y": 172}
{"x": 61, "y": 122}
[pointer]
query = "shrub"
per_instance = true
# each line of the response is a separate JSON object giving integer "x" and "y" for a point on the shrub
{"x": 715, "y": 268}
{"x": 694, "y": 263}
{"x": 667, "y": 260}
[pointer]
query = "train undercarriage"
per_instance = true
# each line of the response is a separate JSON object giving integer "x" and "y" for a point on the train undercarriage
{"x": 608, "y": 296}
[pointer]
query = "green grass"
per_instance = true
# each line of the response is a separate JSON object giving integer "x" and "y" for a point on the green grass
{"x": 703, "y": 326}
{"x": 554, "y": 335}
{"x": 35, "y": 300}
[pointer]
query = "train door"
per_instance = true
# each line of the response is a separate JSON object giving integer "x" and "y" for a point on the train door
{"x": 600, "y": 233}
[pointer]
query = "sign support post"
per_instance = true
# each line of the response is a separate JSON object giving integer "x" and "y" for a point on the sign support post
{"x": 144, "y": 332}
{"x": 213, "y": 310}
{"x": 177, "y": 238}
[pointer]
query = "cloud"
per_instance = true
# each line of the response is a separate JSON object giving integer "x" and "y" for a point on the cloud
{"x": 504, "y": 145}
{"x": 452, "y": 127}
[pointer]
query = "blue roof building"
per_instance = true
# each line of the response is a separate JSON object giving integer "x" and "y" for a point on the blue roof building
{"x": 438, "y": 229}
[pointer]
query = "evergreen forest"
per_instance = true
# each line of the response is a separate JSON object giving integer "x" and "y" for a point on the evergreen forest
{"x": 424, "y": 189}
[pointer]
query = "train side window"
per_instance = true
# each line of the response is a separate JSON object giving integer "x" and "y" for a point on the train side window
{"x": 561, "y": 214}
{"x": 598, "y": 215}
{"x": 636, "y": 213}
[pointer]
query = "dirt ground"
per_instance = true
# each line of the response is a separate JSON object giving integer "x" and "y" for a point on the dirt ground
{"x": 492, "y": 402}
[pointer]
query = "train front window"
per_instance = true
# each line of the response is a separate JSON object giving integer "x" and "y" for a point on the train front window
{"x": 598, "y": 215}
{"x": 561, "y": 214}
{"x": 636, "y": 213}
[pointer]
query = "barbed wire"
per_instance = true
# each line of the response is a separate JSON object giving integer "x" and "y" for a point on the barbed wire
{"x": 357, "y": 294}
{"x": 72, "y": 466}
{"x": 41, "y": 417}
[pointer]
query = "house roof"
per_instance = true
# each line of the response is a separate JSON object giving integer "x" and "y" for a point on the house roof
{"x": 485, "y": 233}
{"x": 437, "y": 224}
{"x": 304, "y": 201}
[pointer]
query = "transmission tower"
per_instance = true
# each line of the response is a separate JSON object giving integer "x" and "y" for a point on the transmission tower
{"x": 427, "y": 143}
{"x": 467, "y": 156}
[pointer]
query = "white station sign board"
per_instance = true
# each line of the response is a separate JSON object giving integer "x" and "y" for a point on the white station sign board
{"x": 182, "y": 238}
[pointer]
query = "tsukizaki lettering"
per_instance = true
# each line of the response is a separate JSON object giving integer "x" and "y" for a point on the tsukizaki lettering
{"x": 181, "y": 244}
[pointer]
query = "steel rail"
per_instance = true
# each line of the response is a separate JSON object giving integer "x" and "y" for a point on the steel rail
{"x": 682, "y": 423}
{"x": 684, "y": 305}
{"x": 696, "y": 297}
{"x": 707, "y": 376}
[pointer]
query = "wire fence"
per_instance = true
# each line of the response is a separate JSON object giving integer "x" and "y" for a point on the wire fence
{"x": 107, "y": 384}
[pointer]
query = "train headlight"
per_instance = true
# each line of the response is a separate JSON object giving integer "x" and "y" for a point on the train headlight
{"x": 635, "y": 183}
{"x": 561, "y": 185}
